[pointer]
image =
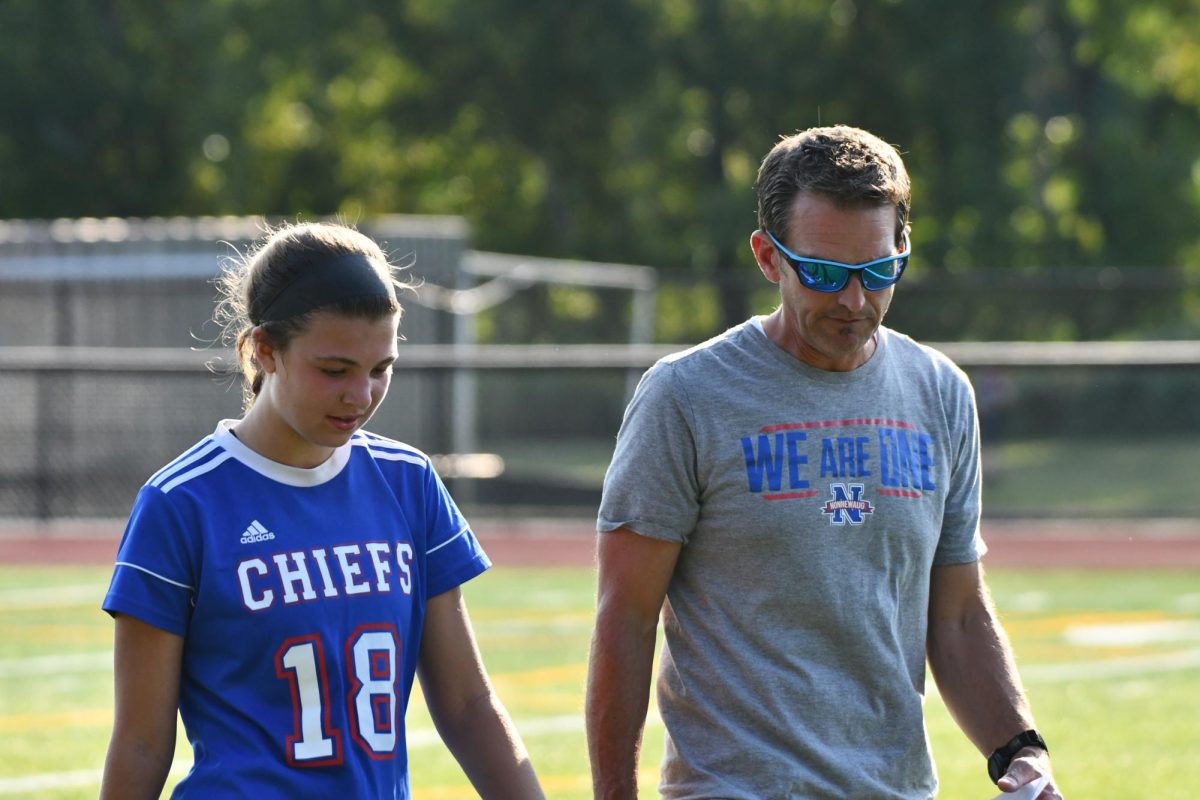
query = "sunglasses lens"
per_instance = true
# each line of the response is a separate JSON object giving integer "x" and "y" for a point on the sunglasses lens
{"x": 883, "y": 275}
{"x": 823, "y": 277}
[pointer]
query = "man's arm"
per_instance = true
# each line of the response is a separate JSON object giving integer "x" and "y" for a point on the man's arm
{"x": 973, "y": 665}
{"x": 634, "y": 573}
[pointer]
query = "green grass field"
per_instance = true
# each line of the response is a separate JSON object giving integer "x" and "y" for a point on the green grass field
{"x": 1111, "y": 661}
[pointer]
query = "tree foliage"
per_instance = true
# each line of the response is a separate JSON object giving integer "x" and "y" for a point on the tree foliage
{"x": 1041, "y": 135}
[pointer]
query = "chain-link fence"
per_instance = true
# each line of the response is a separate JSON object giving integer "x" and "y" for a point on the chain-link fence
{"x": 1069, "y": 431}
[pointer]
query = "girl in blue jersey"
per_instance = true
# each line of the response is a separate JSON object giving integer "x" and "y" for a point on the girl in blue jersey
{"x": 281, "y": 582}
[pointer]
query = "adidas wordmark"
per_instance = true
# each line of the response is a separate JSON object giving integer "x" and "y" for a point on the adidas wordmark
{"x": 256, "y": 533}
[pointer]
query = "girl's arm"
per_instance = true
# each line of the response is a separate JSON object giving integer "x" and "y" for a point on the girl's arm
{"x": 466, "y": 711}
{"x": 146, "y": 663}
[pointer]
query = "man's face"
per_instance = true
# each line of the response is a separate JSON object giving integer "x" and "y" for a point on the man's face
{"x": 831, "y": 331}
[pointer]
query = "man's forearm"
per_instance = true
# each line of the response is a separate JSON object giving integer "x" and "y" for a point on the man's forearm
{"x": 618, "y": 694}
{"x": 977, "y": 678}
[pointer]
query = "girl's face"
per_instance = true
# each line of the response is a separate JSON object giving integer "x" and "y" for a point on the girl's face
{"x": 323, "y": 387}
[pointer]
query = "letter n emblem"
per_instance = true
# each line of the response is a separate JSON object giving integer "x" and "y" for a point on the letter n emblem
{"x": 847, "y": 504}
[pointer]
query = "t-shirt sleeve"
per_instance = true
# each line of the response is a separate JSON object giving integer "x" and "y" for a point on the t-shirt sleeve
{"x": 453, "y": 555}
{"x": 154, "y": 579}
{"x": 651, "y": 486}
{"x": 960, "y": 541}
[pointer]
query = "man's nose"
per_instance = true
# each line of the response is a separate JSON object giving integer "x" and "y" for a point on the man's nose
{"x": 854, "y": 295}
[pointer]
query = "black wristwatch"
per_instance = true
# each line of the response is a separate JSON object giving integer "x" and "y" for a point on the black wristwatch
{"x": 999, "y": 760}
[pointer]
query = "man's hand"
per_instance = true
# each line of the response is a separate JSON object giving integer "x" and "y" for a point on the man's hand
{"x": 1029, "y": 765}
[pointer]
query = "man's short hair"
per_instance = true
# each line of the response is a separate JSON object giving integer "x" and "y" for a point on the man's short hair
{"x": 850, "y": 166}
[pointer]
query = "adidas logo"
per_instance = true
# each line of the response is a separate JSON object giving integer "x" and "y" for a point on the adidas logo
{"x": 256, "y": 533}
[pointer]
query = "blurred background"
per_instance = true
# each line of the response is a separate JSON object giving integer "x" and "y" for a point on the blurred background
{"x": 573, "y": 184}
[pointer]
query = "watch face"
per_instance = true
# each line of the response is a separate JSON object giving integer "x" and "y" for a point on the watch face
{"x": 1029, "y": 739}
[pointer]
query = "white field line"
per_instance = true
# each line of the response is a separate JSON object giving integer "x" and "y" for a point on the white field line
{"x": 49, "y": 781}
{"x": 567, "y": 625}
{"x": 61, "y": 664}
{"x": 1134, "y": 633}
{"x": 564, "y": 723}
{"x": 1131, "y": 666}
{"x": 53, "y": 597}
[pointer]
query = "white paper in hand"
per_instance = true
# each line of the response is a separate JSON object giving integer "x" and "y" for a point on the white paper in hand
{"x": 1029, "y": 791}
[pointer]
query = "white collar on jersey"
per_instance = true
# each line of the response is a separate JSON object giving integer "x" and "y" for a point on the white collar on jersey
{"x": 282, "y": 473}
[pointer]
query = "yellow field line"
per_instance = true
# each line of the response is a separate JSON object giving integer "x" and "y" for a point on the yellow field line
{"x": 543, "y": 675}
{"x": 552, "y": 784}
{"x": 1061, "y": 622}
{"x": 45, "y": 721}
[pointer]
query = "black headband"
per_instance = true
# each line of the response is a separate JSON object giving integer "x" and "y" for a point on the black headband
{"x": 323, "y": 282}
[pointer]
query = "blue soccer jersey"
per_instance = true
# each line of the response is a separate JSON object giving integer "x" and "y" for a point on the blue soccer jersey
{"x": 300, "y": 594}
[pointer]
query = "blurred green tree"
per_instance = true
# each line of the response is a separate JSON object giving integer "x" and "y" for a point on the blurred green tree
{"x": 1049, "y": 141}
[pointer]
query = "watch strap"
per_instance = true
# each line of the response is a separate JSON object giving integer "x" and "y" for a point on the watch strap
{"x": 1002, "y": 757}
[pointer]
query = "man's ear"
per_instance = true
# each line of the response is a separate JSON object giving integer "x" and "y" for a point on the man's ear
{"x": 764, "y": 254}
{"x": 264, "y": 351}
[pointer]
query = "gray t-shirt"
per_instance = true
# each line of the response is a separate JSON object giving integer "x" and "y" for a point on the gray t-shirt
{"x": 811, "y": 506}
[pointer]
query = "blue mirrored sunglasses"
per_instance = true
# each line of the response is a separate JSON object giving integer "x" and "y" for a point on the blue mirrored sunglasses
{"x": 832, "y": 276}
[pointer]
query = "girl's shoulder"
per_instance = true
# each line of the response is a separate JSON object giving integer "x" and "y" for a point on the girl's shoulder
{"x": 381, "y": 448}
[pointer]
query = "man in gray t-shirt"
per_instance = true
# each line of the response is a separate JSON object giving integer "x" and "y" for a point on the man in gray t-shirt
{"x": 799, "y": 498}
